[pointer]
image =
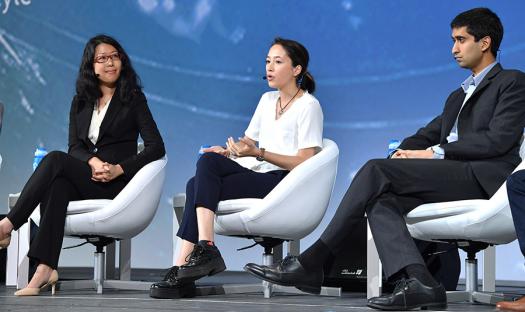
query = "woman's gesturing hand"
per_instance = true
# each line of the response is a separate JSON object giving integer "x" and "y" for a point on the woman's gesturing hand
{"x": 244, "y": 147}
{"x": 217, "y": 149}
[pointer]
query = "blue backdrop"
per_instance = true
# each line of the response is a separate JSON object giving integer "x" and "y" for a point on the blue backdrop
{"x": 383, "y": 68}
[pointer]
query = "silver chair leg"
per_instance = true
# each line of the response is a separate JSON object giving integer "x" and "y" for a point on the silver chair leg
{"x": 294, "y": 247}
{"x": 489, "y": 269}
{"x": 471, "y": 292}
{"x": 125, "y": 260}
{"x": 471, "y": 275}
{"x": 267, "y": 287}
{"x": 110, "y": 261}
{"x": 99, "y": 271}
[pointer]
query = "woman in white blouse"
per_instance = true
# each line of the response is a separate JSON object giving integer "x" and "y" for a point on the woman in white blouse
{"x": 108, "y": 113}
{"x": 288, "y": 127}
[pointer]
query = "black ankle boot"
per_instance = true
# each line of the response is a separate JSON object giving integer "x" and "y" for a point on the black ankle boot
{"x": 205, "y": 259}
{"x": 171, "y": 287}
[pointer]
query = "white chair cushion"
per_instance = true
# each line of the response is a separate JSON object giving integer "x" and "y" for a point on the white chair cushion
{"x": 236, "y": 205}
{"x": 88, "y": 205}
{"x": 292, "y": 210}
{"x": 444, "y": 209}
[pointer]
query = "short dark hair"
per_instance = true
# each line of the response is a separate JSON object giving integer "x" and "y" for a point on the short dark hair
{"x": 299, "y": 56}
{"x": 480, "y": 23}
{"x": 87, "y": 82}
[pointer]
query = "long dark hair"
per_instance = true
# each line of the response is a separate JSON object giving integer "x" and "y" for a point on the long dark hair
{"x": 87, "y": 86}
{"x": 299, "y": 56}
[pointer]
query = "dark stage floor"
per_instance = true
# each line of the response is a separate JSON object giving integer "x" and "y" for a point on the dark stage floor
{"x": 118, "y": 300}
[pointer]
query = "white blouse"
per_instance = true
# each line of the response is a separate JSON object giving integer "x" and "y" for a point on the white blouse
{"x": 301, "y": 126}
{"x": 96, "y": 121}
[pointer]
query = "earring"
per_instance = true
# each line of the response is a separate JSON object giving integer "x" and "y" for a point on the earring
{"x": 300, "y": 80}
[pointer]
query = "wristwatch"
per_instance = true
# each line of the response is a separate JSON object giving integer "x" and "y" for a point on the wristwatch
{"x": 261, "y": 155}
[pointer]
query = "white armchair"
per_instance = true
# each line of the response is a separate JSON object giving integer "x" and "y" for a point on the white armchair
{"x": 473, "y": 225}
{"x": 292, "y": 210}
{"x": 103, "y": 221}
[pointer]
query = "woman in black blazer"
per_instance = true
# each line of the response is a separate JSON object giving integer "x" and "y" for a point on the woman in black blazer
{"x": 108, "y": 113}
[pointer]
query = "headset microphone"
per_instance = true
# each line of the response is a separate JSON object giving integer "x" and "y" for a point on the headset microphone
{"x": 264, "y": 77}
{"x": 97, "y": 75}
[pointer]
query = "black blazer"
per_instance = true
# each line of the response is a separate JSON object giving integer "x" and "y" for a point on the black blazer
{"x": 119, "y": 131}
{"x": 490, "y": 127}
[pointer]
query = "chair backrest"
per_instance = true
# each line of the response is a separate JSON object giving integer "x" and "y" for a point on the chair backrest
{"x": 130, "y": 212}
{"x": 295, "y": 207}
{"x": 479, "y": 220}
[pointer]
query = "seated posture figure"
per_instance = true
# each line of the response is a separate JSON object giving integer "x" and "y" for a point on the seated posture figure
{"x": 107, "y": 115}
{"x": 288, "y": 126}
{"x": 466, "y": 152}
{"x": 516, "y": 192}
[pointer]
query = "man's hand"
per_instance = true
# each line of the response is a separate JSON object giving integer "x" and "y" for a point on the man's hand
{"x": 413, "y": 154}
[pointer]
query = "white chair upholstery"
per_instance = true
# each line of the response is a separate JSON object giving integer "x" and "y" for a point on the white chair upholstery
{"x": 469, "y": 222}
{"x": 123, "y": 217}
{"x": 292, "y": 210}
{"x": 473, "y": 225}
{"x": 480, "y": 220}
{"x": 128, "y": 214}
{"x": 101, "y": 221}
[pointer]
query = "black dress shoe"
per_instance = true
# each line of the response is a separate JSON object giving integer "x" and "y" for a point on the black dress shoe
{"x": 205, "y": 259}
{"x": 172, "y": 288}
{"x": 289, "y": 272}
{"x": 411, "y": 294}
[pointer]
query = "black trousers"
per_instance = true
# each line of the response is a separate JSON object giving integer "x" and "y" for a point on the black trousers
{"x": 58, "y": 179}
{"x": 386, "y": 190}
{"x": 220, "y": 178}
{"x": 516, "y": 193}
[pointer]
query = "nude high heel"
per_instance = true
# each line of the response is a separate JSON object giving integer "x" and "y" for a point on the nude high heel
{"x": 53, "y": 279}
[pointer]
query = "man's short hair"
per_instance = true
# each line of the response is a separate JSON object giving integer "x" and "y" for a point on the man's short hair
{"x": 480, "y": 23}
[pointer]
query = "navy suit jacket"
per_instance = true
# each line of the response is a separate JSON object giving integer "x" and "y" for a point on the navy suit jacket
{"x": 119, "y": 131}
{"x": 490, "y": 127}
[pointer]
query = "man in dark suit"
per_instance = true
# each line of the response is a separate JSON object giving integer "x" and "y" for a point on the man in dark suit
{"x": 466, "y": 152}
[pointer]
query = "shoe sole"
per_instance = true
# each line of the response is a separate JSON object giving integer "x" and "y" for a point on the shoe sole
{"x": 306, "y": 288}
{"x": 217, "y": 267}
{"x": 426, "y": 306}
{"x": 175, "y": 293}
